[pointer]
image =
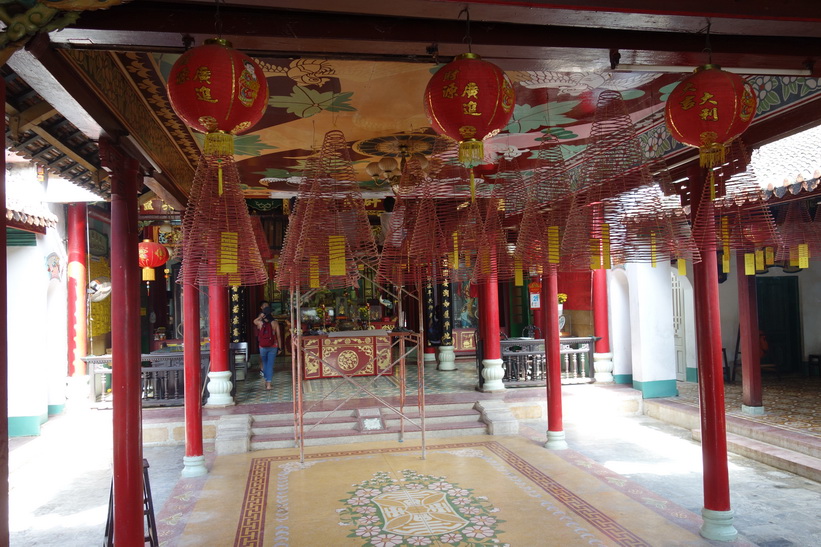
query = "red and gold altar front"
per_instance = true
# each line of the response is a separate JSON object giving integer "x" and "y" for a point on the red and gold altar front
{"x": 353, "y": 353}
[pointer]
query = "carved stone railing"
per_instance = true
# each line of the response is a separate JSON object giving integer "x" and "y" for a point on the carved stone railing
{"x": 525, "y": 365}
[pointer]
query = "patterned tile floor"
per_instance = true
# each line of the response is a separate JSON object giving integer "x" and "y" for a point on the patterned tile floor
{"x": 252, "y": 390}
{"x": 790, "y": 402}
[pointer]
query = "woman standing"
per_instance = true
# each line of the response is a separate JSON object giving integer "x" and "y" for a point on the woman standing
{"x": 269, "y": 338}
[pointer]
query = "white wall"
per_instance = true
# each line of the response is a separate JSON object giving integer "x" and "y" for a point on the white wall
{"x": 619, "y": 316}
{"x": 651, "y": 313}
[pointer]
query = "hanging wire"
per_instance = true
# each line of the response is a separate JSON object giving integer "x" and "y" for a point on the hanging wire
{"x": 707, "y": 47}
{"x": 218, "y": 19}
{"x": 466, "y": 37}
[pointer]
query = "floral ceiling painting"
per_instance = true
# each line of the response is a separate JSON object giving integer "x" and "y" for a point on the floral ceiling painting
{"x": 378, "y": 105}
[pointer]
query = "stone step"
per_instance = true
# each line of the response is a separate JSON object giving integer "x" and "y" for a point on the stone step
{"x": 277, "y": 425}
{"x": 389, "y": 434}
{"x": 411, "y": 407}
{"x": 776, "y": 456}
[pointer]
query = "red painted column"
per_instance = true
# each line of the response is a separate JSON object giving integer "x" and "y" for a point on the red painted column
{"x": 219, "y": 329}
{"x": 751, "y": 390}
{"x": 219, "y": 378}
{"x": 492, "y": 370}
{"x": 194, "y": 461}
{"x": 716, "y": 513}
{"x": 77, "y": 296}
{"x": 601, "y": 324}
{"x": 4, "y": 362}
{"x": 125, "y": 348}
{"x": 552, "y": 346}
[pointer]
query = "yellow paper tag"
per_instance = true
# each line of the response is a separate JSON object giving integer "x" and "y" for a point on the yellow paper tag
{"x": 803, "y": 256}
{"x": 653, "y": 249}
{"x": 794, "y": 256}
{"x": 336, "y": 255}
{"x": 605, "y": 246}
{"x": 595, "y": 254}
{"x": 228, "y": 262}
{"x": 454, "y": 256}
{"x": 759, "y": 260}
{"x": 518, "y": 274}
{"x": 553, "y": 244}
{"x": 725, "y": 262}
{"x": 749, "y": 263}
{"x": 313, "y": 274}
{"x": 769, "y": 256}
{"x": 682, "y": 266}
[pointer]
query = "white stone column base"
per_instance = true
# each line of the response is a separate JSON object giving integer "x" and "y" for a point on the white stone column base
{"x": 447, "y": 358}
{"x": 219, "y": 389}
{"x": 555, "y": 440}
{"x": 718, "y": 525}
{"x": 430, "y": 357}
{"x": 493, "y": 374}
{"x": 193, "y": 466}
{"x": 752, "y": 410}
{"x": 603, "y": 367}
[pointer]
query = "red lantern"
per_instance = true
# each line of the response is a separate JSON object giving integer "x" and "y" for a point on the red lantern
{"x": 709, "y": 109}
{"x": 469, "y": 100}
{"x": 218, "y": 91}
{"x": 152, "y": 255}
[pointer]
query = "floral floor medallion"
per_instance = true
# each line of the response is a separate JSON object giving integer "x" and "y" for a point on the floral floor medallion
{"x": 418, "y": 510}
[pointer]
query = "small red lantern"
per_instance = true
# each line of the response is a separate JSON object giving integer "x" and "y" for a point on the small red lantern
{"x": 152, "y": 255}
{"x": 218, "y": 91}
{"x": 469, "y": 100}
{"x": 709, "y": 109}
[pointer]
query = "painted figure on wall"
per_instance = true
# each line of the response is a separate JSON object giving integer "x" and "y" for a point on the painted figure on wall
{"x": 54, "y": 267}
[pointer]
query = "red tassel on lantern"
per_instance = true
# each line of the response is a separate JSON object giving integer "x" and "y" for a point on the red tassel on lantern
{"x": 709, "y": 109}
{"x": 469, "y": 100}
{"x": 152, "y": 255}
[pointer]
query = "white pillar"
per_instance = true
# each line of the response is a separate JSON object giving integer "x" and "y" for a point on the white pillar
{"x": 193, "y": 466}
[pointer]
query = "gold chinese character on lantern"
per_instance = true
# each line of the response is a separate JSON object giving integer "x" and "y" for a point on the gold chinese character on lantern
{"x": 709, "y": 114}
{"x": 204, "y": 94}
{"x": 203, "y": 74}
{"x": 471, "y": 90}
{"x": 183, "y": 76}
{"x": 707, "y": 98}
{"x": 467, "y": 132}
{"x": 450, "y": 91}
{"x": 470, "y": 109}
{"x": 451, "y": 75}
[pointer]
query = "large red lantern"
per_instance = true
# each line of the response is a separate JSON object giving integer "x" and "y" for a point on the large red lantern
{"x": 152, "y": 255}
{"x": 469, "y": 100}
{"x": 709, "y": 109}
{"x": 218, "y": 91}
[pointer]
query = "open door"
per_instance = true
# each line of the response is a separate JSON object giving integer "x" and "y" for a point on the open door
{"x": 779, "y": 322}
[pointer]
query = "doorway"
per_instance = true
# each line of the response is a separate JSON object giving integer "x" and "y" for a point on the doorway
{"x": 679, "y": 328}
{"x": 779, "y": 322}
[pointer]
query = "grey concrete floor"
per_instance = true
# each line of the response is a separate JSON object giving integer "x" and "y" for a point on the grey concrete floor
{"x": 60, "y": 480}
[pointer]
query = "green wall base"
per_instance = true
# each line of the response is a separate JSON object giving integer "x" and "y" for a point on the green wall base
{"x": 659, "y": 388}
{"x": 26, "y": 426}
{"x": 622, "y": 378}
{"x": 692, "y": 374}
{"x": 53, "y": 410}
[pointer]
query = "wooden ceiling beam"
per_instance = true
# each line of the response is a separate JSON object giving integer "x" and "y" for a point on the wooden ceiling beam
{"x": 287, "y": 32}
